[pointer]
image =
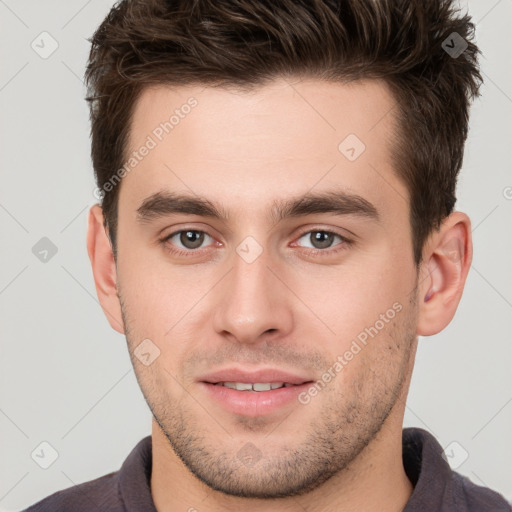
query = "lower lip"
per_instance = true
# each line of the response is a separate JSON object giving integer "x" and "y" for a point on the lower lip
{"x": 254, "y": 403}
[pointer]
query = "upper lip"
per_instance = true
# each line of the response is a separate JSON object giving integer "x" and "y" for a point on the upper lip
{"x": 259, "y": 376}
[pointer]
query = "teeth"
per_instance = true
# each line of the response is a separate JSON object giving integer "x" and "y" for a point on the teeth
{"x": 239, "y": 386}
{"x": 262, "y": 386}
{"x": 258, "y": 386}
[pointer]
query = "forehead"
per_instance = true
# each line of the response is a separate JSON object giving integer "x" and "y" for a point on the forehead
{"x": 284, "y": 138}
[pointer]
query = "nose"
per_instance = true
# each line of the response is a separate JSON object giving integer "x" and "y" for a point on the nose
{"x": 253, "y": 300}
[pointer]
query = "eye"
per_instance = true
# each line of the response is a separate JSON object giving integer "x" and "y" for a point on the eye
{"x": 190, "y": 239}
{"x": 321, "y": 239}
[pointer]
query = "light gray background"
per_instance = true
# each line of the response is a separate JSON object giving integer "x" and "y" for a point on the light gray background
{"x": 65, "y": 375}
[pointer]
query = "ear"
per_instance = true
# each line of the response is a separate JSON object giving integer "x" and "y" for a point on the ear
{"x": 104, "y": 268}
{"x": 446, "y": 262}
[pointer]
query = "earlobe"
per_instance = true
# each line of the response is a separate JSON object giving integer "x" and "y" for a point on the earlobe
{"x": 447, "y": 260}
{"x": 104, "y": 268}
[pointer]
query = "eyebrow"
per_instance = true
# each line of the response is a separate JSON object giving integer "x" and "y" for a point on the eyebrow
{"x": 164, "y": 203}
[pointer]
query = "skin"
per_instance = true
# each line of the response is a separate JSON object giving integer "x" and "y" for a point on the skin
{"x": 289, "y": 309}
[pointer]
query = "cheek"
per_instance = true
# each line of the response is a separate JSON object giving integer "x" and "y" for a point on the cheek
{"x": 350, "y": 299}
{"x": 376, "y": 357}
{"x": 364, "y": 311}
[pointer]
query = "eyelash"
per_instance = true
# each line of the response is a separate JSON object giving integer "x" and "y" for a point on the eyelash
{"x": 345, "y": 243}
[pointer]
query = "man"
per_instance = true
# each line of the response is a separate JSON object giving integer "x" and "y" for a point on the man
{"x": 276, "y": 229}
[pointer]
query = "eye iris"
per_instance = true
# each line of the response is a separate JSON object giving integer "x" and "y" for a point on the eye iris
{"x": 194, "y": 238}
{"x": 324, "y": 239}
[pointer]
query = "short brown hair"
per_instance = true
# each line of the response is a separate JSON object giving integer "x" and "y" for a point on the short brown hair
{"x": 246, "y": 43}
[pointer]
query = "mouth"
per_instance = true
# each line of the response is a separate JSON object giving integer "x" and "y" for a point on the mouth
{"x": 259, "y": 380}
{"x": 255, "y": 386}
{"x": 254, "y": 394}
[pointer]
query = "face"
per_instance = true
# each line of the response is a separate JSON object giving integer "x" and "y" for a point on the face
{"x": 257, "y": 244}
